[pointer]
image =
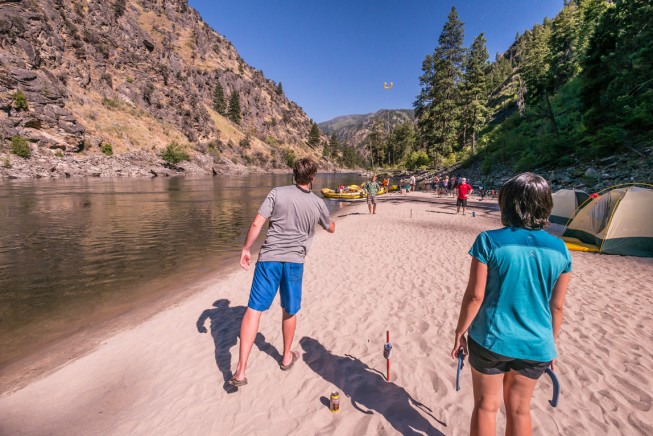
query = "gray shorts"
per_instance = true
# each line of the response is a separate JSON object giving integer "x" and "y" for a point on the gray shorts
{"x": 371, "y": 199}
{"x": 488, "y": 362}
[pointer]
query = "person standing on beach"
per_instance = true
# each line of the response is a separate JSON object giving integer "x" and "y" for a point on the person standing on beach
{"x": 464, "y": 190}
{"x": 372, "y": 189}
{"x": 512, "y": 308}
{"x": 293, "y": 211}
{"x": 413, "y": 183}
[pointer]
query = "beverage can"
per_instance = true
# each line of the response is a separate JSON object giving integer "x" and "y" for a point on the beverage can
{"x": 334, "y": 403}
{"x": 387, "y": 350}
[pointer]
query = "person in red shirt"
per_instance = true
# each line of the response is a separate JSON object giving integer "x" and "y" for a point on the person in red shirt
{"x": 464, "y": 190}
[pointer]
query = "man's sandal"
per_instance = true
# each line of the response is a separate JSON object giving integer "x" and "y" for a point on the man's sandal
{"x": 237, "y": 383}
{"x": 295, "y": 358}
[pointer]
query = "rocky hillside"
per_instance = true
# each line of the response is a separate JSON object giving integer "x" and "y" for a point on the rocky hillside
{"x": 84, "y": 79}
{"x": 588, "y": 175}
{"x": 353, "y": 130}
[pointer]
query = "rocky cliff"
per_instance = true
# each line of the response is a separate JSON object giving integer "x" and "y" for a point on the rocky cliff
{"x": 128, "y": 77}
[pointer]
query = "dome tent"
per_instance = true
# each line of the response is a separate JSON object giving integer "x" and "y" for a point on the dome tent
{"x": 565, "y": 203}
{"x": 619, "y": 221}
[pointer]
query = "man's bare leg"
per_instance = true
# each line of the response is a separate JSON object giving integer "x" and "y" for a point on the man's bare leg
{"x": 248, "y": 331}
{"x": 374, "y": 208}
{"x": 288, "y": 325}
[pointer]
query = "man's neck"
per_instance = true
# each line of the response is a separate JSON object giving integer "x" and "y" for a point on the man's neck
{"x": 305, "y": 188}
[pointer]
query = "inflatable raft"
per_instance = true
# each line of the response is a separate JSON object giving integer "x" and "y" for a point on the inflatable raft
{"x": 351, "y": 192}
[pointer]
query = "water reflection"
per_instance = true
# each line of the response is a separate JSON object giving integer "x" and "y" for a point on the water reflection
{"x": 72, "y": 250}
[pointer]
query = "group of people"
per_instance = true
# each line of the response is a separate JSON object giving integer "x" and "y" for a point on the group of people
{"x": 445, "y": 186}
{"x": 511, "y": 311}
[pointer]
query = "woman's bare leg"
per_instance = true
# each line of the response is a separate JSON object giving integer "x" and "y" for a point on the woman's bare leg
{"x": 487, "y": 400}
{"x": 517, "y": 394}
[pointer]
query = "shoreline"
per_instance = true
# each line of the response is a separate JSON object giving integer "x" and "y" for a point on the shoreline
{"x": 57, "y": 353}
{"x": 47, "y": 358}
{"x": 403, "y": 270}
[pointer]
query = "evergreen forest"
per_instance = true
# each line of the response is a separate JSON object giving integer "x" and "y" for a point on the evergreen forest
{"x": 578, "y": 86}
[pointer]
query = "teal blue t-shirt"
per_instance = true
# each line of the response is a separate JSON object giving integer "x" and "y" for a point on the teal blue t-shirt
{"x": 523, "y": 267}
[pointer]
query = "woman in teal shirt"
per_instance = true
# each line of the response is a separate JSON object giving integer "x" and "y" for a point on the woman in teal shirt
{"x": 512, "y": 308}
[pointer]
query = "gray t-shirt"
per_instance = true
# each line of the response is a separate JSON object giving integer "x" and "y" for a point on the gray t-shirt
{"x": 292, "y": 214}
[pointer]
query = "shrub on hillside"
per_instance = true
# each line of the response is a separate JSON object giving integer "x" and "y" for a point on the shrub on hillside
{"x": 246, "y": 142}
{"x": 20, "y": 147}
{"x": 20, "y": 101}
{"x": 174, "y": 153}
{"x": 289, "y": 156}
{"x": 106, "y": 148}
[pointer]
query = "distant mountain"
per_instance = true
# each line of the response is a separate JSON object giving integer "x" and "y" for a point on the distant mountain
{"x": 354, "y": 129}
{"x": 76, "y": 76}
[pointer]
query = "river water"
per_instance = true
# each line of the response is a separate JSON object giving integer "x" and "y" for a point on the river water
{"x": 75, "y": 251}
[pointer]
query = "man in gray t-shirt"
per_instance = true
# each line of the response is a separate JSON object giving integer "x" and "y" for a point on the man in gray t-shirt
{"x": 293, "y": 212}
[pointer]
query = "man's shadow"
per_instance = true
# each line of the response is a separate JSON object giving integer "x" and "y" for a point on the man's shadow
{"x": 367, "y": 387}
{"x": 225, "y": 328}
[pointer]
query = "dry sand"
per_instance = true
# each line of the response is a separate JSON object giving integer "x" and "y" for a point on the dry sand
{"x": 403, "y": 270}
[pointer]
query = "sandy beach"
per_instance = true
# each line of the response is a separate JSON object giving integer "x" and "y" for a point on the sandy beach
{"x": 403, "y": 270}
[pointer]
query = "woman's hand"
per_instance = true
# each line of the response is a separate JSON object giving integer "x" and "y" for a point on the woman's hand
{"x": 553, "y": 365}
{"x": 459, "y": 342}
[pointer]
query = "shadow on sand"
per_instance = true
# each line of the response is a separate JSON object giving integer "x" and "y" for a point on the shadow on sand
{"x": 225, "y": 328}
{"x": 368, "y": 390}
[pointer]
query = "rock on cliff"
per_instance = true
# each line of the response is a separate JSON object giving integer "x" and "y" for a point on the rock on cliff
{"x": 136, "y": 74}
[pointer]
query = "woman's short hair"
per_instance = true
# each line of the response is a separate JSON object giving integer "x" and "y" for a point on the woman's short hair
{"x": 525, "y": 201}
{"x": 305, "y": 169}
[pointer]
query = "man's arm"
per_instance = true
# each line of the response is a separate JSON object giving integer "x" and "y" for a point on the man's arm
{"x": 252, "y": 234}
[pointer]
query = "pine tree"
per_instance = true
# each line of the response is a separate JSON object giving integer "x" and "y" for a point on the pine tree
{"x": 279, "y": 89}
{"x": 563, "y": 46}
{"x": 535, "y": 66}
{"x": 617, "y": 86}
{"x": 219, "y": 103}
{"x": 377, "y": 140}
{"x": 403, "y": 141}
{"x": 474, "y": 91}
{"x": 234, "y": 108}
{"x": 437, "y": 107}
{"x": 334, "y": 145}
{"x": 329, "y": 146}
{"x": 314, "y": 136}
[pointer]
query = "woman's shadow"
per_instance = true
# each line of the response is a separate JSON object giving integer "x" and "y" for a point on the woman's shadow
{"x": 367, "y": 387}
{"x": 225, "y": 328}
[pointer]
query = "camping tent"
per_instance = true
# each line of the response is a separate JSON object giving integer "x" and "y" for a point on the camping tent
{"x": 565, "y": 203}
{"x": 619, "y": 221}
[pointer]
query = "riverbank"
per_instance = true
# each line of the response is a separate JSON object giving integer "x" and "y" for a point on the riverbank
{"x": 403, "y": 270}
{"x": 46, "y": 164}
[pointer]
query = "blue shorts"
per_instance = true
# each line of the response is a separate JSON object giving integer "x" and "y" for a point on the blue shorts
{"x": 270, "y": 276}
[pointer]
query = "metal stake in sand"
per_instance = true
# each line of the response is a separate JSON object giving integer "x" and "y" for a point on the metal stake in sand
{"x": 387, "y": 350}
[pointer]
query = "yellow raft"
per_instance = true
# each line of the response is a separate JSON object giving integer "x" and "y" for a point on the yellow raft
{"x": 351, "y": 192}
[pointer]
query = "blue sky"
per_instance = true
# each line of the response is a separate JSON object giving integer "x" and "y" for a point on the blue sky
{"x": 333, "y": 56}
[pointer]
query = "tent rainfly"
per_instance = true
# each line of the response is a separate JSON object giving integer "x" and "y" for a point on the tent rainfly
{"x": 565, "y": 203}
{"x": 619, "y": 221}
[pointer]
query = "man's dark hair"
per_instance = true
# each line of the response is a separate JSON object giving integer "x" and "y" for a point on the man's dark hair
{"x": 525, "y": 201}
{"x": 305, "y": 169}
